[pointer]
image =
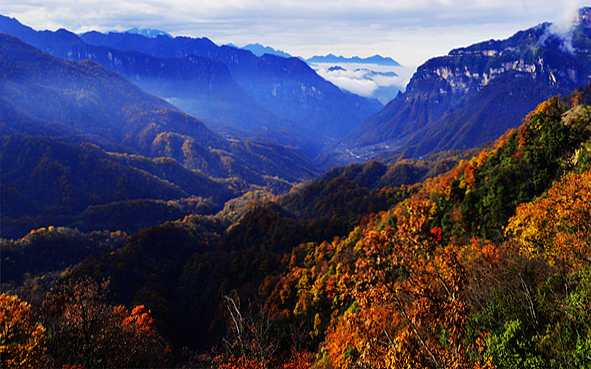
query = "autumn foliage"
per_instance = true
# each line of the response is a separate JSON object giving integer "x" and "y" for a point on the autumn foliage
{"x": 76, "y": 327}
{"x": 435, "y": 283}
{"x": 22, "y": 339}
{"x": 484, "y": 266}
{"x": 411, "y": 307}
{"x": 557, "y": 226}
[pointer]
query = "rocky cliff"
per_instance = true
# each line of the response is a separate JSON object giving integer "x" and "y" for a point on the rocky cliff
{"x": 473, "y": 94}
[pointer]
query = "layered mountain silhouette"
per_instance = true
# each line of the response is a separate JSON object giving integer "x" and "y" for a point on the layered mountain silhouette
{"x": 260, "y": 50}
{"x": 472, "y": 95}
{"x": 94, "y": 138}
{"x": 376, "y": 59}
{"x": 232, "y": 90}
{"x": 286, "y": 86}
{"x": 200, "y": 86}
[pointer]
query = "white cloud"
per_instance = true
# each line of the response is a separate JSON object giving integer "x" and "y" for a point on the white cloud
{"x": 366, "y": 79}
{"x": 387, "y": 81}
{"x": 361, "y": 87}
{"x": 570, "y": 11}
{"x": 350, "y": 79}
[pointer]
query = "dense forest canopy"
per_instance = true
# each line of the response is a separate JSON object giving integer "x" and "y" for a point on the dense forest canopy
{"x": 483, "y": 265}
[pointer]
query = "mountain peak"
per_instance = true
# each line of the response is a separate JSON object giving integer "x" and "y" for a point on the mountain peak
{"x": 259, "y": 50}
{"x": 147, "y": 32}
{"x": 376, "y": 59}
{"x": 475, "y": 93}
{"x": 584, "y": 17}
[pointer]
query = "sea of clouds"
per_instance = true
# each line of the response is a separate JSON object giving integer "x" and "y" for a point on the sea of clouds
{"x": 369, "y": 80}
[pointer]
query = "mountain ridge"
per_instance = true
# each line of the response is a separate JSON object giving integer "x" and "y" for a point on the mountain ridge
{"x": 376, "y": 59}
{"x": 200, "y": 86}
{"x": 260, "y": 50}
{"x": 287, "y": 86}
{"x": 53, "y": 106}
{"x": 463, "y": 90}
{"x": 231, "y": 89}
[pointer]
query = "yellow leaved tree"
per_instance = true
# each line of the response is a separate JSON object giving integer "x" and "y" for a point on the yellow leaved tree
{"x": 557, "y": 226}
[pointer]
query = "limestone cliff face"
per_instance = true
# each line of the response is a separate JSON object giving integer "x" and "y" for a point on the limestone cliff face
{"x": 538, "y": 53}
{"x": 473, "y": 94}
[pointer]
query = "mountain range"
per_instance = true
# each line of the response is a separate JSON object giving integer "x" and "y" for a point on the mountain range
{"x": 69, "y": 126}
{"x": 260, "y": 50}
{"x": 451, "y": 102}
{"x": 81, "y": 95}
{"x": 384, "y": 92}
{"x": 232, "y": 90}
{"x": 287, "y": 87}
{"x": 472, "y": 95}
{"x": 332, "y": 59}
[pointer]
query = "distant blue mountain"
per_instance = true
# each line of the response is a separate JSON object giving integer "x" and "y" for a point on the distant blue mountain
{"x": 287, "y": 87}
{"x": 151, "y": 33}
{"x": 260, "y": 50}
{"x": 273, "y": 97}
{"x": 336, "y": 68}
{"x": 371, "y": 73}
{"x": 376, "y": 59}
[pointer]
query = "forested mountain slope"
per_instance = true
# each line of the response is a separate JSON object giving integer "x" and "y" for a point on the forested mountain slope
{"x": 61, "y": 118}
{"x": 133, "y": 236}
{"x": 475, "y": 267}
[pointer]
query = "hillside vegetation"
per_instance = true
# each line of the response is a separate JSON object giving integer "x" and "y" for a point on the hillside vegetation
{"x": 83, "y": 147}
{"x": 477, "y": 262}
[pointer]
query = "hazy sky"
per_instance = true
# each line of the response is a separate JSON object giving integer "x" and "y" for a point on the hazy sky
{"x": 410, "y": 31}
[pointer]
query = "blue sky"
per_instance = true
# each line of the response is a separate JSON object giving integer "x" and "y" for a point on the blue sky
{"x": 409, "y": 31}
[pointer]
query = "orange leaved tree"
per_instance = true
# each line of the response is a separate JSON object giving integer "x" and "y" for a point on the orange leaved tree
{"x": 411, "y": 308}
{"x": 22, "y": 339}
{"x": 86, "y": 330}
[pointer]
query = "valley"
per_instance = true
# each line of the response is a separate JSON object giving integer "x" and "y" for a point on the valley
{"x": 168, "y": 202}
